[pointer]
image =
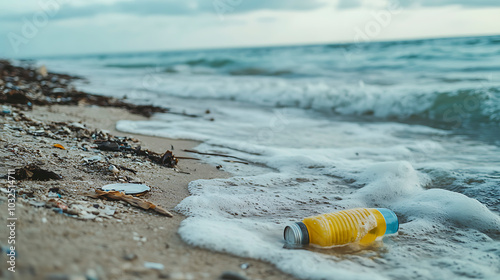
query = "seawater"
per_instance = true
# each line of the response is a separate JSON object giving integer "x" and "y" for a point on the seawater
{"x": 413, "y": 126}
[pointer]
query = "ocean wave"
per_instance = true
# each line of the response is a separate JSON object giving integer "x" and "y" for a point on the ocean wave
{"x": 466, "y": 106}
{"x": 215, "y": 63}
{"x": 131, "y": 65}
{"x": 448, "y": 108}
{"x": 211, "y": 63}
{"x": 251, "y": 71}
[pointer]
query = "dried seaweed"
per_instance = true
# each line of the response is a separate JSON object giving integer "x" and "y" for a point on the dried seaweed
{"x": 34, "y": 172}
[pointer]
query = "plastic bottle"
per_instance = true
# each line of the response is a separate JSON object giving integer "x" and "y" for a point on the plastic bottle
{"x": 361, "y": 225}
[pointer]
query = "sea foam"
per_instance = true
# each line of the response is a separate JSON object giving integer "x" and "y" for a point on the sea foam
{"x": 409, "y": 169}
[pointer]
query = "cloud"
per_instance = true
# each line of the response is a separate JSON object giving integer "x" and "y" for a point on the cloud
{"x": 466, "y": 3}
{"x": 175, "y": 7}
{"x": 348, "y": 4}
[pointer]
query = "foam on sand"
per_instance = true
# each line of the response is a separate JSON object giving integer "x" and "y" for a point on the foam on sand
{"x": 246, "y": 216}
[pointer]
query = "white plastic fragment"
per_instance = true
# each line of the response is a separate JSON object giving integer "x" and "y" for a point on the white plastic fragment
{"x": 127, "y": 188}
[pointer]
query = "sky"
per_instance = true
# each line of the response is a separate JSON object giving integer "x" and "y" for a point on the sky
{"x": 32, "y": 28}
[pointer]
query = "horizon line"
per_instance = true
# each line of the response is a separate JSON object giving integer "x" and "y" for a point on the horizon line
{"x": 36, "y": 57}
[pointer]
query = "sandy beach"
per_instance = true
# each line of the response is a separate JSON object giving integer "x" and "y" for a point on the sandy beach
{"x": 62, "y": 233}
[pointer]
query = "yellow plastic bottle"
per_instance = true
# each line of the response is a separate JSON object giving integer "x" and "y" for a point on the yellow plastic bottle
{"x": 361, "y": 225}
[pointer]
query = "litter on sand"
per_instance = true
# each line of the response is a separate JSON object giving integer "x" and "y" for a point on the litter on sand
{"x": 59, "y": 146}
{"x": 137, "y": 202}
{"x": 127, "y": 188}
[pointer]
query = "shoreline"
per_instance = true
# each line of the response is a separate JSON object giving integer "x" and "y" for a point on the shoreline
{"x": 64, "y": 234}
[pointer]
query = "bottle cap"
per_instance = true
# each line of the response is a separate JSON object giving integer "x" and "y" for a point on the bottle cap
{"x": 391, "y": 220}
{"x": 296, "y": 234}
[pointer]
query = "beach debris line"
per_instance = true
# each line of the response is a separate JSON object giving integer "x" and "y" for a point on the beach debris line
{"x": 127, "y": 188}
{"x": 34, "y": 172}
{"x": 167, "y": 159}
{"x": 78, "y": 209}
{"x": 44, "y": 88}
{"x": 88, "y": 140}
{"x": 134, "y": 201}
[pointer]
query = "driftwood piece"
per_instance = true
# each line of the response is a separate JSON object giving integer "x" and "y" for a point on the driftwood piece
{"x": 137, "y": 202}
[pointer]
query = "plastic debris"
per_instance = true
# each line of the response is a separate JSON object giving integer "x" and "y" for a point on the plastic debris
{"x": 360, "y": 225}
{"x": 127, "y": 188}
{"x": 53, "y": 194}
{"x": 6, "y": 110}
{"x": 59, "y": 146}
{"x": 137, "y": 202}
{"x": 56, "y": 204}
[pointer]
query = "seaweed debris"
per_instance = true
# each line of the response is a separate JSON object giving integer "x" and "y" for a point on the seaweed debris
{"x": 34, "y": 172}
{"x": 27, "y": 86}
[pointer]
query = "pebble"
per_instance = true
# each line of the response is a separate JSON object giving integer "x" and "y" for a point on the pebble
{"x": 152, "y": 265}
{"x": 181, "y": 276}
{"x": 130, "y": 257}
{"x": 36, "y": 203}
{"x": 113, "y": 169}
{"x": 58, "y": 90}
{"x": 139, "y": 238}
{"x": 91, "y": 274}
{"x": 77, "y": 125}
